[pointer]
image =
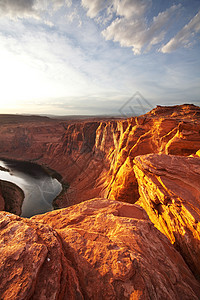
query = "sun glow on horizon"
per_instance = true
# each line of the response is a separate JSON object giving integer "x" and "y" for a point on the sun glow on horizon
{"x": 80, "y": 57}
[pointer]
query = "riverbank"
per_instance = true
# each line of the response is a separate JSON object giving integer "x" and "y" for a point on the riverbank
{"x": 39, "y": 183}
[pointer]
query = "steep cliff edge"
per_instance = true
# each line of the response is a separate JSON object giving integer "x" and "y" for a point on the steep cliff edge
{"x": 102, "y": 165}
{"x": 170, "y": 193}
{"x": 11, "y": 197}
{"x": 68, "y": 254}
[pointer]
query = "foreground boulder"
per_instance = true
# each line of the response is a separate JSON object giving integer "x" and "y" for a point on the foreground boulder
{"x": 33, "y": 265}
{"x": 99, "y": 249}
{"x": 170, "y": 193}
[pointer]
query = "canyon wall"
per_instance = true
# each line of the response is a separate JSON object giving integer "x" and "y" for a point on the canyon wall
{"x": 95, "y": 158}
{"x": 169, "y": 186}
{"x": 108, "y": 249}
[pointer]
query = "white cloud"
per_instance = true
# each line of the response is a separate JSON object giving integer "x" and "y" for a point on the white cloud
{"x": 95, "y": 6}
{"x": 57, "y": 4}
{"x": 63, "y": 65}
{"x": 15, "y": 8}
{"x": 184, "y": 37}
{"x": 130, "y": 27}
{"x": 30, "y": 8}
{"x": 126, "y": 33}
{"x": 38, "y": 63}
{"x": 74, "y": 16}
{"x": 130, "y": 8}
{"x": 68, "y": 3}
{"x": 135, "y": 33}
{"x": 126, "y": 8}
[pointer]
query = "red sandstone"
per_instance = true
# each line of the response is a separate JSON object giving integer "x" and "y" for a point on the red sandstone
{"x": 99, "y": 249}
{"x": 103, "y": 249}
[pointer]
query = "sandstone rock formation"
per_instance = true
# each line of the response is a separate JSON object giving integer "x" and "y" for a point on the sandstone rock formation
{"x": 99, "y": 249}
{"x": 170, "y": 193}
{"x": 33, "y": 265}
{"x": 95, "y": 156}
{"x": 106, "y": 249}
{"x": 11, "y": 197}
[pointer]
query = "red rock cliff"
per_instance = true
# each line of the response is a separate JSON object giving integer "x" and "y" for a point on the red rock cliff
{"x": 96, "y": 157}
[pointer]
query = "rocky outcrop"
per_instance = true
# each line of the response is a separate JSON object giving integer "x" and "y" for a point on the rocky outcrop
{"x": 170, "y": 193}
{"x": 68, "y": 254}
{"x": 33, "y": 265}
{"x": 11, "y": 197}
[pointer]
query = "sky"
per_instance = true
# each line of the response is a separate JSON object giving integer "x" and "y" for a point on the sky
{"x": 97, "y": 57}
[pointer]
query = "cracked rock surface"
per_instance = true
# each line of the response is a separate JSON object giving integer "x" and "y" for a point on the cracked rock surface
{"x": 99, "y": 249}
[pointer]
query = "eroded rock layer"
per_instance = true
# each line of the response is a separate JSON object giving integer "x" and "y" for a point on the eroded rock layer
{"x": 170, "y": 193}
{"x": 99, "y": 249}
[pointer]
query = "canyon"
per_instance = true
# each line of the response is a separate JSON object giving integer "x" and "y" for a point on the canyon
{"x": 127, "y": 223}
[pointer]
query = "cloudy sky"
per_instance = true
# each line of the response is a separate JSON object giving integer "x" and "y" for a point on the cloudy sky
{"x": 90, "y": 57}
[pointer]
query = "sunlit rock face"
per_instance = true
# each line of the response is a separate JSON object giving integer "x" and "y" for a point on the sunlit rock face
{"x": 99, "y": 249}
{"x": 170, "y": 193}
{"x": 169, "y": 130}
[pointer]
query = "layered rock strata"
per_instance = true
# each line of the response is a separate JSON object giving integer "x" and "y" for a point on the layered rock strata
{"x": 99, "y": 249}
{"x": 170, "y": 193}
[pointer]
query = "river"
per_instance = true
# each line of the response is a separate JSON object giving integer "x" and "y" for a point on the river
{"x": 39, "y": 188}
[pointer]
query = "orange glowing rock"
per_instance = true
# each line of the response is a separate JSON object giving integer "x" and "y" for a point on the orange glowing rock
{"x": 117, "y": 253}
{"x": 99, "y": 249}
{"x": 94, "y": 156}
{"x": 33, "y": 265}
{"x": 170, "y": 193}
